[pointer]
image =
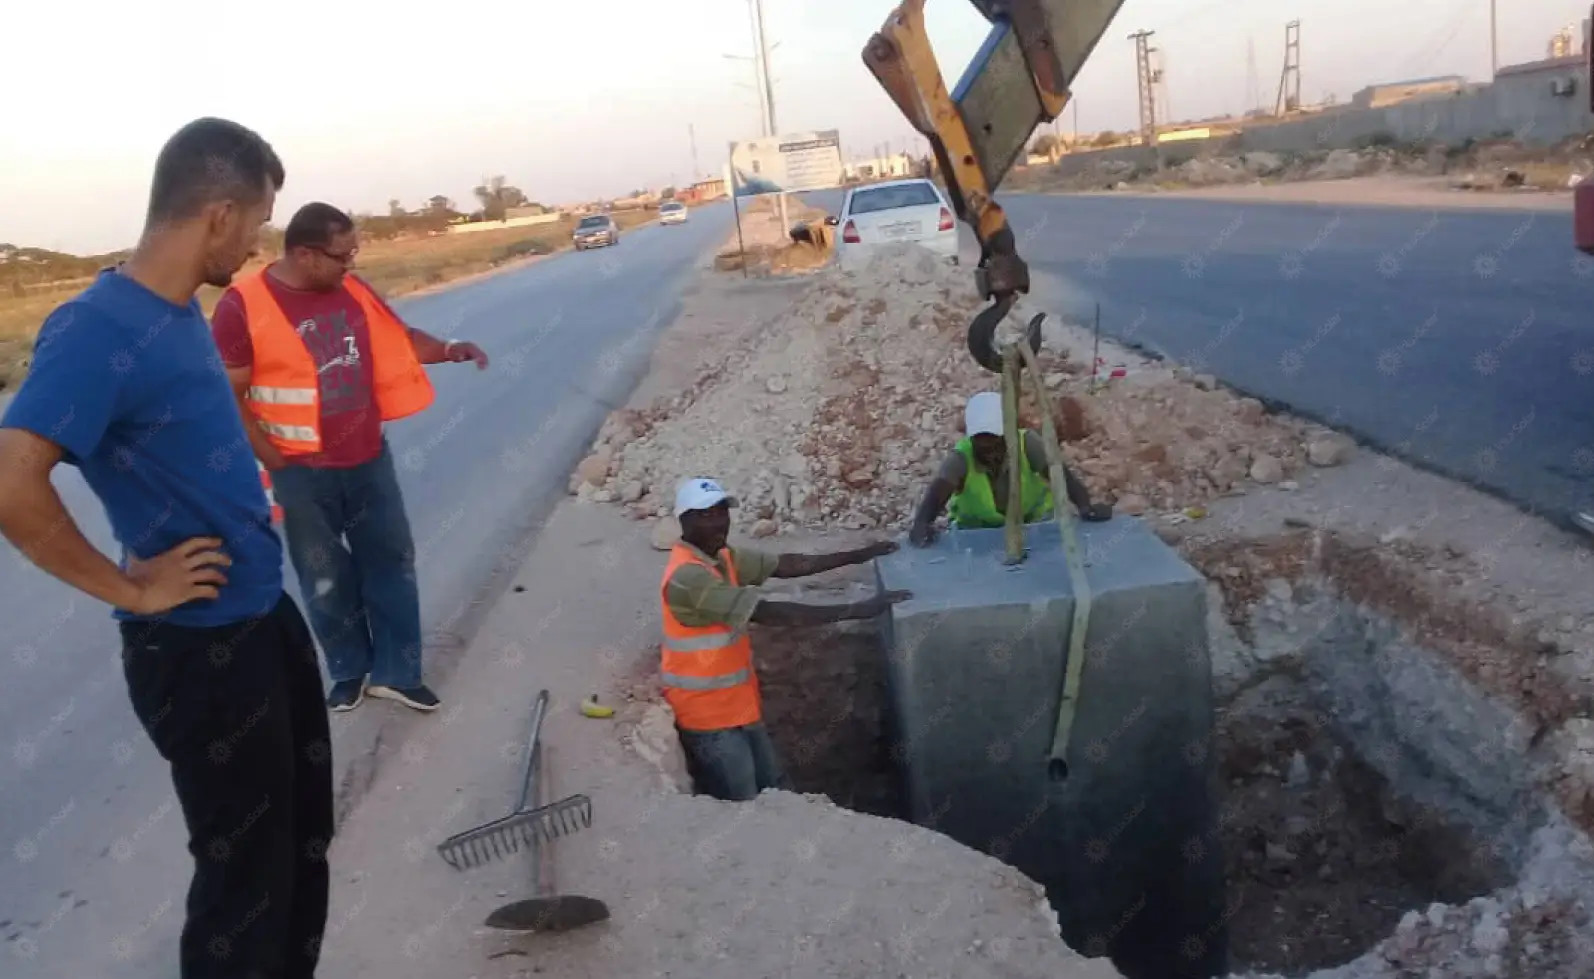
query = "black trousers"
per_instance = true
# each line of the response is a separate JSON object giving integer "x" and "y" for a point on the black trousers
{"x": 238, "y": 712}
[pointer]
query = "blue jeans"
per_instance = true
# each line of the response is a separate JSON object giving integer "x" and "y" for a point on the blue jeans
{"x": 734, "y": 764}
{"x": 350, "y": 544}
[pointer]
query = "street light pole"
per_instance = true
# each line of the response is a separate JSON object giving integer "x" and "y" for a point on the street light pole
{"x": 758, "y": 91}
{"x": 761, "y": 46}
{"x": 1494, "y": 42}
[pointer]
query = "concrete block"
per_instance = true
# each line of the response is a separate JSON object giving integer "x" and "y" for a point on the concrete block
{"x": 1127, "y": 844}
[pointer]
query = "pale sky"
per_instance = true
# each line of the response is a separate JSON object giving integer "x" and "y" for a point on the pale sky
{"x": 370, "y": 101}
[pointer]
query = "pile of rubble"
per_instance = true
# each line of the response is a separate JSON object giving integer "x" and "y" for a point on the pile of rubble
{"x": 841, "y": 409}
{"x": 1476, "y": 165}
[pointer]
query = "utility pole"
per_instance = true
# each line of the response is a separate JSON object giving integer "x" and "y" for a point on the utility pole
{"x": 1253, "y": 91}
{"x": 1159, "y": 78}
{"x": 1494, "y": 42}
{"x": 1147, "y": 83}
{"x": 691, "y": 134}
{"x": 761, "y": 46}
{"x": 1289, "y": 99}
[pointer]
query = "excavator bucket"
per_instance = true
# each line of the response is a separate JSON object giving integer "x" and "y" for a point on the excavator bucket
{"x": 1021, "y": 76}
{"x": 978, "y": 129}
{"x": 1019, "y": 79}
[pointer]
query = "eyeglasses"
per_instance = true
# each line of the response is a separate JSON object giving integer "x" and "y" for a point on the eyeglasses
{"x": 342, "y": 259}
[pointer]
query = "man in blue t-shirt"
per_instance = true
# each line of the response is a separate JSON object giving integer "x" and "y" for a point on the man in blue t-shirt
{"x": 127, "y": 386}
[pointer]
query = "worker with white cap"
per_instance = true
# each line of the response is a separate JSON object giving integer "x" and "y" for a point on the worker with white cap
{"x": 972, "y": 483}
{"x": 709, "y": 595}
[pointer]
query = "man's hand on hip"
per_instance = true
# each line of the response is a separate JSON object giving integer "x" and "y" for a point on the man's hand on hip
{"x": 191, "y": 570}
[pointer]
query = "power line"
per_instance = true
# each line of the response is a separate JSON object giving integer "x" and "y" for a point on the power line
{"x": 1421, "y": 62}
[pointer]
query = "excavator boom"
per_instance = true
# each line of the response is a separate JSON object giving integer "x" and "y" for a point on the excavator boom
{"x": 1019, "y": 79}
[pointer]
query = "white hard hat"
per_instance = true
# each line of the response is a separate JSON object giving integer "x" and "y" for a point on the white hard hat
{"x": 700, "y": 494}
{"x": 983, "y": 416}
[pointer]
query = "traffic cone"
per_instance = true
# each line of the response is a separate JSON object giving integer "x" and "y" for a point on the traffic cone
{"x": 271, "y": 496}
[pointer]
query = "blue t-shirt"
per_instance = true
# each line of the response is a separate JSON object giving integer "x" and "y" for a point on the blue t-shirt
{"x": 133, "y": 390}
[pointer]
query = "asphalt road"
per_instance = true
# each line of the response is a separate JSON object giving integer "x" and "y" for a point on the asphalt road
{"x": 1460, "y": 340}
{"x": 92, "y": 844}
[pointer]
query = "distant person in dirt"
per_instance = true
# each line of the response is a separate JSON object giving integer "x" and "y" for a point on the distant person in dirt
{"x": 972, "y": 482}
{"x": 220, "y": 666}
{"x": 318, "y": 362}
{"x": 710, "y": 594}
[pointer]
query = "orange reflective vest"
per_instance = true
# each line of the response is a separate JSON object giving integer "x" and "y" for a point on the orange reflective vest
{"x": 284, "y": 390}
{"x": 707, "y": 673}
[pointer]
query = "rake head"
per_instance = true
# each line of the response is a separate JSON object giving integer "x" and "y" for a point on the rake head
{"x": 503, "y": 837}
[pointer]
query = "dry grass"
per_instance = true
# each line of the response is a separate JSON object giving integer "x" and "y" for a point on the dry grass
{"x": 395, "y": 268}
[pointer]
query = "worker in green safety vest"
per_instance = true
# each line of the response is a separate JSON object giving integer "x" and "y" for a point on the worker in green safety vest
{"x": 972, "y": 483}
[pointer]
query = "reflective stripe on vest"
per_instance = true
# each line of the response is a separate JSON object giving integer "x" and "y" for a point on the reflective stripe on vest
{"x": 707, "y": 673}
{"x": 285, "y": 389}
{"x": 705, "y": 682}
{"x": 974, "y": 505}
{"x": 282, "y": 396}
{"x": 698, "y": 644}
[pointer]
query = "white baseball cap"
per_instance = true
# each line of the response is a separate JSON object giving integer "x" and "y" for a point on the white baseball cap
{"x": 983, "y": 416}
{"x": 700, "y": 494}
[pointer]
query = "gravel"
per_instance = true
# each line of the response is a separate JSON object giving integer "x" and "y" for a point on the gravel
{"x": 838, "y": 411}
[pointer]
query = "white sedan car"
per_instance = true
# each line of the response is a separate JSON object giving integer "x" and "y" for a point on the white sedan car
{"x": 891, "y": 213}
{"x": 672, "y": 212}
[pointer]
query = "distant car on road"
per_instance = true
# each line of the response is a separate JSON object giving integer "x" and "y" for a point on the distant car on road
{"x": 596, "y": 231}
{"x": 893, "y": 212}
{"x": 672, "y": 212}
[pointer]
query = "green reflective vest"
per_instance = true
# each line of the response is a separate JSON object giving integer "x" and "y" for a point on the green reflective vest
{"x": 974, "y": 506}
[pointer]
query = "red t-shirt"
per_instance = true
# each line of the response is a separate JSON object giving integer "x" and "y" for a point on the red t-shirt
{"x": 333, "y": 327}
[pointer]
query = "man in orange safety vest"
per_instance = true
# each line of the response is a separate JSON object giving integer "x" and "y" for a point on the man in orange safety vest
{"x": 319, "y": 363}
{"x": 710, "y": 595}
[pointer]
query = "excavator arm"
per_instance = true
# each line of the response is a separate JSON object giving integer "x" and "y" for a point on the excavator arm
{"x": 1019, "y": 79}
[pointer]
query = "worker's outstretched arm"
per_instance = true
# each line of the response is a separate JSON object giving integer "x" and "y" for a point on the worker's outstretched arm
{"x": 798, "y": 614}
{"x": 931, "y": 506}
{"x": 1078, "y": 492}
{"x": 802, "y": 565}
{"x": 429, "y": 349}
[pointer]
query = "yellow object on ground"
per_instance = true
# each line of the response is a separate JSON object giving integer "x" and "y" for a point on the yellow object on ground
{"x": 591, "y": 708}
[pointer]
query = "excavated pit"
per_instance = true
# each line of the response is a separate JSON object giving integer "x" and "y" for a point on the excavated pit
{"x": 1368, "y": 785}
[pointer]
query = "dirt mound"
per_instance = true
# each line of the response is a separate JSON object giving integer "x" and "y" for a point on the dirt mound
{"x": 1484, "y": 165}
{"x": 840, "y": 409}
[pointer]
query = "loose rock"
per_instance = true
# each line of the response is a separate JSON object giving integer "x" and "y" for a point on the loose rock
{"x": 1265, "y": 470}
{"x": 665, "y": 534}
{"x": 1329, "y": 450}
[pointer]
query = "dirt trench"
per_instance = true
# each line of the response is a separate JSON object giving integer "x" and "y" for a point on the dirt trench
{"x": 1378, "y": 802}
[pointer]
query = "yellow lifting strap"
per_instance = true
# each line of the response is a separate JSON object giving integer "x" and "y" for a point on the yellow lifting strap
{"x": 1013, "y": 355}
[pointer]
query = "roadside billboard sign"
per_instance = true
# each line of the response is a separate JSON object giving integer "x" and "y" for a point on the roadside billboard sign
{"x": 787, "y": 164}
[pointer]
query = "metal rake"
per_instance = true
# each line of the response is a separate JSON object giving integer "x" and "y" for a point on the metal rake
{"x": 522, "y": 827}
